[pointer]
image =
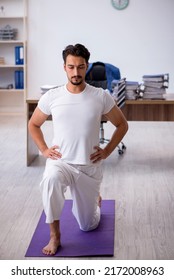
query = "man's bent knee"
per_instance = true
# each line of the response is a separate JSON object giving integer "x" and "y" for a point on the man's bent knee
{"x": 90, "y": 226}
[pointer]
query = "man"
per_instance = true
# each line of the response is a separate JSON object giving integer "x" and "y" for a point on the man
{"x": 75, "y": 157}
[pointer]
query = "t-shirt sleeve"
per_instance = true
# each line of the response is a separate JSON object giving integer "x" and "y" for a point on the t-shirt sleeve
{"x": 109, "y": 102}
{"x": 44, "y": 104}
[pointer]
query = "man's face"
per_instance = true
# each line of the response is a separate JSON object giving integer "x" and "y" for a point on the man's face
{"x": 75, "y": 68}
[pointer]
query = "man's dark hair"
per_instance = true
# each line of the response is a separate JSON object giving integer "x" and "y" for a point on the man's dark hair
{"x": 76, "y": 50}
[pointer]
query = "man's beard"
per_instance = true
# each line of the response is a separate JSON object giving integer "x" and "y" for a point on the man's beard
{"x": 76, "y": 82}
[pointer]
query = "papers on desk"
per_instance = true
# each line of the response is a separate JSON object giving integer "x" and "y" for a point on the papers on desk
{"x": 45, "y": 88}
{"x": 152, "y": 87}
{"x": 123, "y": 89}
{"x": 132, "y": 90}
{"x": 118, "y": 91}
{"x": 155, "y": 86}
{"x": 156, "y": 78}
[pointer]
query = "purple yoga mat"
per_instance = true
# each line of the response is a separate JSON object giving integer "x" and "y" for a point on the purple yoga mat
{"x": 74, "y": 242}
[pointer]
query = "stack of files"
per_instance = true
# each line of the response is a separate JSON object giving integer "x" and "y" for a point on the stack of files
{"x": 132, "y": 90}
{"x": 19, "y": 79}
{"x": 155, "y": 86}
{"x": 118, "y": 91}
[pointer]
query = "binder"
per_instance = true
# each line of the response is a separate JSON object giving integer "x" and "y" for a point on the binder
{"x": 19, "y": 79}
{"x": 19, "y": 55}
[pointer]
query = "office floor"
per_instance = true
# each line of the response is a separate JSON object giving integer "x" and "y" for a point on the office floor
{"x": 141, "y": 182}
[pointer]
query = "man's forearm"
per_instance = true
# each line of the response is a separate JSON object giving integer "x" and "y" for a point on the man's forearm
{"x": 116, "y": 138}
{"x": 37, "y": 136}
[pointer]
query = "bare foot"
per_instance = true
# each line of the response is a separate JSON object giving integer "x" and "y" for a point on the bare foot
{"x": 99, "y": 201}
{"x": 52, "y": 246}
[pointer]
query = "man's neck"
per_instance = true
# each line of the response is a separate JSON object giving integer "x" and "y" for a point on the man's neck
{"x": 75, "y": 89}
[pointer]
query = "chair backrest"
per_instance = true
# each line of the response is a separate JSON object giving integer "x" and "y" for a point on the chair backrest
{"x": 100, "y": 74}
{"x": 97, "y": 75}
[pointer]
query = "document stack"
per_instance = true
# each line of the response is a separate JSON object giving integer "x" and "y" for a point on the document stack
{"x": 155, "y": 86}
{"x": 132, "y": 90}
{"x": 118, "y": 91}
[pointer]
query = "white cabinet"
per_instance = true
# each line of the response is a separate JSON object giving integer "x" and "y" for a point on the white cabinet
{"x": 13, "y": 40}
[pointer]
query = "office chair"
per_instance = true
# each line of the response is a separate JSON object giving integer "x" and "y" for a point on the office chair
{"x": 101, "y": 74}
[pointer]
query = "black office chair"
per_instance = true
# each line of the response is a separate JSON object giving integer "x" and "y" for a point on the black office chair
{"x": 97, "y": 76}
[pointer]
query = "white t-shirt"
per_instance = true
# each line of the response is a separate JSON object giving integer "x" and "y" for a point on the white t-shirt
{"x": 76, "y": 120}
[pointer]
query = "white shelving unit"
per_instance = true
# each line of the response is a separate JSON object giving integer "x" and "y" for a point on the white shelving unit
{"x": 13, "y": 13}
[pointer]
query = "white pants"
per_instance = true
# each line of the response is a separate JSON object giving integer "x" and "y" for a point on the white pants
{"x": 84, "y": 182}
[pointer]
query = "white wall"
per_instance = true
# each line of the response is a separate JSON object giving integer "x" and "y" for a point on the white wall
{"x": 139, "y": 40}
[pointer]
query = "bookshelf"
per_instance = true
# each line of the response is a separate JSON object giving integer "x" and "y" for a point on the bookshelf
{"x": 13, "y": 37}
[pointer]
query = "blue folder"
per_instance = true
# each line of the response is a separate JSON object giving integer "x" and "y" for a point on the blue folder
{"x": 19, "y": 79}
{"x": 19, "y": 55}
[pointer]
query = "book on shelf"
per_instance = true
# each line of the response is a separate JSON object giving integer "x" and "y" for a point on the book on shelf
{"x": 19, "y": 79}
{"x": 19, "y": 55}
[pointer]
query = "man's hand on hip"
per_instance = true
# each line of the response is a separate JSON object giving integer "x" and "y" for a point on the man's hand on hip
{"x": 98, "y": 155}
{"x": 52, "y": 153}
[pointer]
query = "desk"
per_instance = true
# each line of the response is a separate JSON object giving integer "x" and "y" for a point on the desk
{"x": 134, "y": 110}
{"x": 150, "y": 110}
